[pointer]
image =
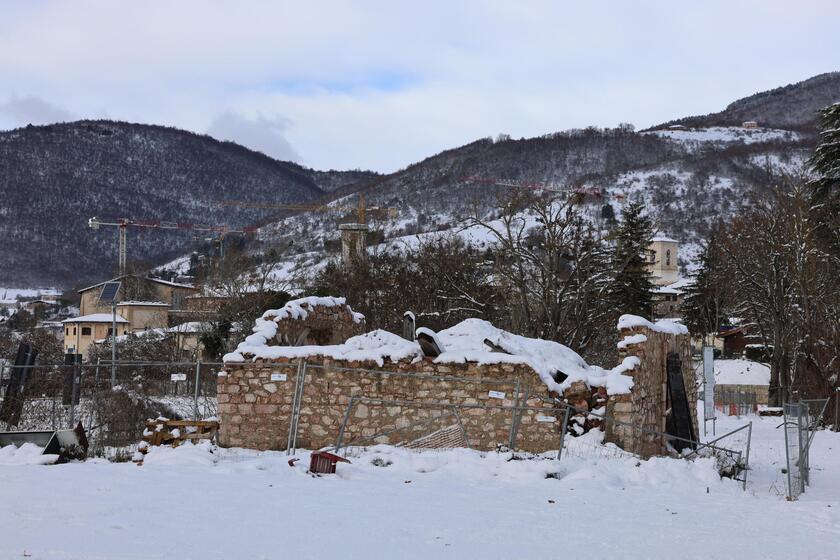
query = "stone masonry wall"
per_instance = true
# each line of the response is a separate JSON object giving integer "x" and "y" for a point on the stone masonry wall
{"x": 647, "y": 403}
{"x": 255, "y": 404}
{"x": 323, "y": 325}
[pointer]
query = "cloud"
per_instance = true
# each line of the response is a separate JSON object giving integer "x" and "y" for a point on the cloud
{"x": 20, "y": 111}
{"x": 379, "y": 85}
{"x": 263, "y": 134}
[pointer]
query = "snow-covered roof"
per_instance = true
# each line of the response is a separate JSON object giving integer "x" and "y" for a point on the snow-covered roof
{"x": 157, "y": 280}
{"x": 675, "y": 288}
{"x": 189, "y": 327}
{"x": 741, "y": 372}
{"x": 664, "y": 238}
{"x": 95, "y": 318}
{"x": 461, "y": 343}
{"x": 143, "y": 304}
{"x": 139, "y": 334}
{"x": 173, "y": 284}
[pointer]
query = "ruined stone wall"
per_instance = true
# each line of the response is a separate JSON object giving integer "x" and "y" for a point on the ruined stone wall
{"x": 255, "y": 404}
{"x": 323, "y": 325}
{"x": 646, "y": 405}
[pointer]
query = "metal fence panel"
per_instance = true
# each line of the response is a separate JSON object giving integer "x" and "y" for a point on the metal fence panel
{"x": 113, "y": 415}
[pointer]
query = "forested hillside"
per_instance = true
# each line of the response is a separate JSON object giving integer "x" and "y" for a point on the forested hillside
{"x": 53, "y": 178}
{"x": 794, "y": 106}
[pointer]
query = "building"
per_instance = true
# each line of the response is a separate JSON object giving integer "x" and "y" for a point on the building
{"x": 144, "y": 315}
{"x": 136, "y": 288}
{"x": 662, "y": 260}
{"x": 668, "y": 299}
{"x": 143, "y": 304}
{"x": 295, "y": 382}
{"x": 81, "y": 332}
{"x": 749, "y": 124}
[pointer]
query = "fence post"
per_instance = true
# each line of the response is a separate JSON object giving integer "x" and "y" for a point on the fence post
{"x": 837, "y": 410}
{"x": 75, "y": 392}
{"x": 195, "y": 390}
{"x": 341, "y": 429}
{"x": 747, "y": 456}
{"x": 563, "y": 429}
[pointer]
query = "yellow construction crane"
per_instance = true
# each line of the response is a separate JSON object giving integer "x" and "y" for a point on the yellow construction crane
{"x": 361, "y": 208}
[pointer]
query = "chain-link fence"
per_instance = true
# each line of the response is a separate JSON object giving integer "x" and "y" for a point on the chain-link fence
{"x": 111, "y": 401}
{"x": 733, "y": 402}
{"x": 438, "y": 425}
{"x": 569, "y": 431}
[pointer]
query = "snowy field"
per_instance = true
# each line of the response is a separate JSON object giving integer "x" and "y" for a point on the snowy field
{"x": 196, "y": 502}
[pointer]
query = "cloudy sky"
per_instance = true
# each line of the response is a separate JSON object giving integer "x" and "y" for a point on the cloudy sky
{"x": 379, "y": 85}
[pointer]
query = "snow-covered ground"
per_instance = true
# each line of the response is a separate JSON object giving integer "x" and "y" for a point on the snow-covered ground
{"x": 725, "y": 134}
{"x": 197, "y": 502}
{"x": 741, "y": 372}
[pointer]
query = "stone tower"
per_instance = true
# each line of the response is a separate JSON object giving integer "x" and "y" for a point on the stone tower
{"x": 353, "y": 242}
{"x": 662, "y": 262}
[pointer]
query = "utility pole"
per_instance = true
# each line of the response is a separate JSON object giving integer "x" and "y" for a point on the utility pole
{"x": 114, "y": 342}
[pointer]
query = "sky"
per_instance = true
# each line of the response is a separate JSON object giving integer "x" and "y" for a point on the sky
{"x": 380, "y": 85}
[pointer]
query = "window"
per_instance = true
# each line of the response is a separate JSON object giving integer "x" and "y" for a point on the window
{"x": 74, "y": 331}
{"x": 85, "y": 331}
{"x": 668, "y": 257}
{"x": 110, "y": 331}
{"x": 67, "y": 331}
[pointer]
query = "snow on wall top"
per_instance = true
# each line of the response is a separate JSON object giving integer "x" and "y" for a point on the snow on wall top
{"x": 663, "y": 325}
{"x": 299, "y": 308}
{"x": 461, "y": 343}
{"x": 96, "y": 318}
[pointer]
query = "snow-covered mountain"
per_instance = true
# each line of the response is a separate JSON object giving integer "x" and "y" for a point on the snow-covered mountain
{"x": 691, "y": 173}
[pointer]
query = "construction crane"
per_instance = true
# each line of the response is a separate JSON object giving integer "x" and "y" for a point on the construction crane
{"x": 539, "y": 186}
{"x": 124, "y": 223}
{"x": 361, "y": 208}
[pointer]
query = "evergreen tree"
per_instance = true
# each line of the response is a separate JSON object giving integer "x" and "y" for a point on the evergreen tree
{"x": 826, "y": 159}
{"x": 631, "y": 286}
{"x": 707, "y": 298}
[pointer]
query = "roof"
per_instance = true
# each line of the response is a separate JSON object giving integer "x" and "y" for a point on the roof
{"x": 95, "y": 318}
{"x": 173, "y": 284}
{"x": 156, "y": 280}
{"x": 664, "y": 238}
{"x": 189, "y": 327}
{"x": 675, "y": 288}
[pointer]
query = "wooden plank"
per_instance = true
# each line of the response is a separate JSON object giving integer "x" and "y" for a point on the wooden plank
{"x": 196, "y": 436}
{"x": 680, "y": 420}
{"x": 196, "y": 423}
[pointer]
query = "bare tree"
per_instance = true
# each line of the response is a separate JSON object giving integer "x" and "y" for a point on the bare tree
{"x": 551, "y": 269}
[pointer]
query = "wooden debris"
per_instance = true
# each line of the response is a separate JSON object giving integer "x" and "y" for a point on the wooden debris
{"x": 175, "y": 432}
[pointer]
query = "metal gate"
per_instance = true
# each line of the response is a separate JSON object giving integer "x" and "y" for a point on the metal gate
{"x": 801, "y": 421}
